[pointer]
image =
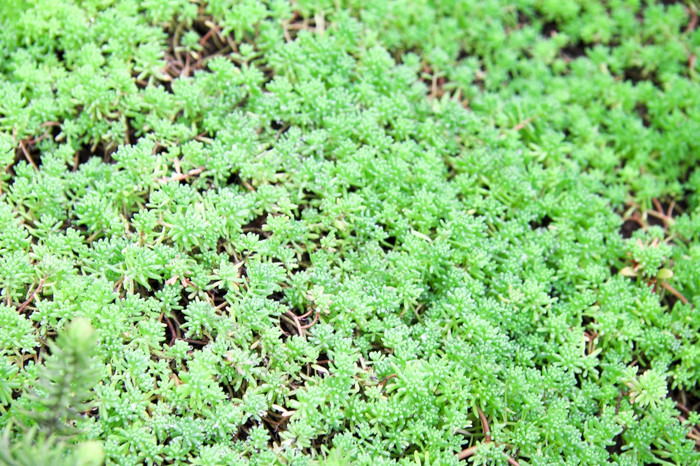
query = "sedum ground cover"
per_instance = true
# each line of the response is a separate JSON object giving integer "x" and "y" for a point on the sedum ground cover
{"x": 348, "y": 232}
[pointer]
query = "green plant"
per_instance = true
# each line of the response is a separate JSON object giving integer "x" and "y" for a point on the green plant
{"x": 53, "y": 407}
{"x": 349, "y": 232}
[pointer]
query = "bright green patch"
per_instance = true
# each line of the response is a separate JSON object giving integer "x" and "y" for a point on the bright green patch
{"x": 349, "y": 232}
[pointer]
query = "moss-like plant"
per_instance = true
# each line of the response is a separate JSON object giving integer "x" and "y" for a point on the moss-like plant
{"x": 347, "y": 232}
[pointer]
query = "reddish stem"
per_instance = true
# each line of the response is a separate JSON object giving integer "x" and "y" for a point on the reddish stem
{"x": 312, "y": 322}
{"x": 26, "y": 155}
{"x": 33, "y": 295}
{"x": 674, "y": 292}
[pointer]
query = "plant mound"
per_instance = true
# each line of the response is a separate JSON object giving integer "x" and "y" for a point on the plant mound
{"x": 346, "y": 232}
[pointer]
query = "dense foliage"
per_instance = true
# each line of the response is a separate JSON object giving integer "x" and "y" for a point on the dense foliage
{"x": 349, "y": 232}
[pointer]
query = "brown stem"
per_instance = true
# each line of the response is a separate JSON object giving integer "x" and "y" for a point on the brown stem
{"x": 172, "y": 330}
{"x": 683, "y": 408}
{"x": 660, "y": 216}
{"x": 26, "y": 155}
{"x": 484, "y": 425}
{"x": 92, "y": 237}
{"x": 674, "y": 292}
{"x": 196, "y": 342}
{"x": 312, "y": 322}
{"x": 693, "y": 21}
{"x": 33, "y": 295}
{"x": 176, "y": 41}
{"x": 635, "y": 218}
{"x": 383, "y": 382}
{"x": 670, "y": 209}
{"x": 182, "y": 176}
{"x": 33, "y": 141}
{"x": 522, "y": 124}
{"x": 285, "y": 30}
{"x": 186, "y": 69}
{"x": 206, "y": 36}
{"x": 306, "y": 314}
{"x": 467, "y": 452}
{"x": 296, "y": 322}
{"x": 691, "y": 62}
{"x": 591, "y": 341}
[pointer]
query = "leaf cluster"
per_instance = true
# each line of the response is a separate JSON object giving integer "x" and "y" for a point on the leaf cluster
{"x": 349, "y": 232}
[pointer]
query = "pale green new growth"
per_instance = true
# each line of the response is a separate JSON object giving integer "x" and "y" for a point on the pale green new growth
{"x": 349, "y": 232}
